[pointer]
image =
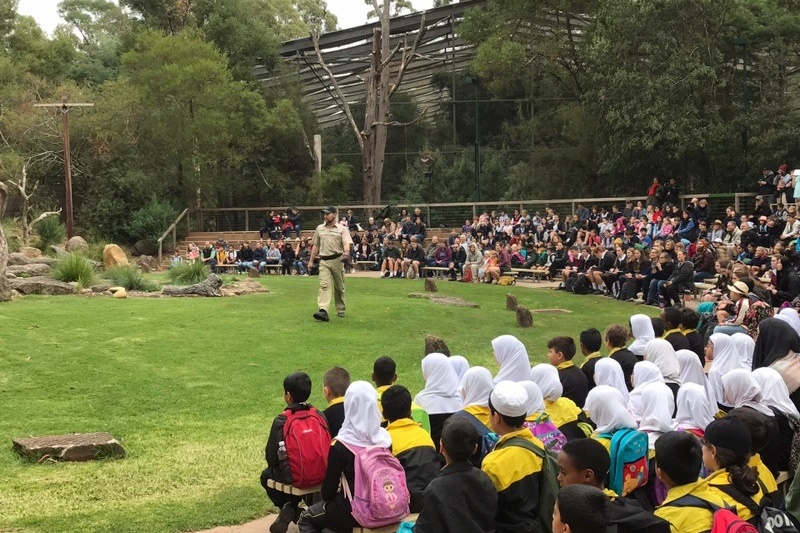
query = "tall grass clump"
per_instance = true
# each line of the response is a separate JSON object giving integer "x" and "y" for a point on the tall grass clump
{"x": 51, "y": 231}
{"x": 74, "y": 267}
{"x": 130, "y": 278}
{"x": 188, "y": 273}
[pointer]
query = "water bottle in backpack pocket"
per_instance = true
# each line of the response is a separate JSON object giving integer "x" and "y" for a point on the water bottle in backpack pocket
{"x": 630, "y": 467}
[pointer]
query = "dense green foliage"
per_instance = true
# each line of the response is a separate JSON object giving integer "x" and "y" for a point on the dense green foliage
{"x": 188, "y": 273}
{"x": 50, "y": 231}
{"x": 131, "y": 278}
{"x": 191, "y": 385}
{"x": 149, "y": 222}
{"x": 74, "y": 267}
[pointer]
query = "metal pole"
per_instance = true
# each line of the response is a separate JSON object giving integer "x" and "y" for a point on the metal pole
{"x": 68, "y": 173}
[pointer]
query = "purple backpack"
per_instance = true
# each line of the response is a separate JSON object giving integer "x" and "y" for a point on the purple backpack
{"x": 381, "y": 496}
{"x": 547, "y": 432}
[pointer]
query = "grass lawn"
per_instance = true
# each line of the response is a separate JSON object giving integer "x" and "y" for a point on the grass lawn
{"x": 190, "y": 387}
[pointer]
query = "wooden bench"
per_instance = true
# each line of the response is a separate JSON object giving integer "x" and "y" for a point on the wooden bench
{"x": 227, "y": 266}
{"x": 392, "y": 528}
{"x": 437, "y": 271}
{"x": 290, "y": 489}
{"x": 365, "y": 264}
{"x": 275, "y": 268}
{"x": 536, "y": 275}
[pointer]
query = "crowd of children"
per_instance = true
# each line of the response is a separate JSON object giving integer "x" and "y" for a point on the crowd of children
{"x": 650, "y": 438}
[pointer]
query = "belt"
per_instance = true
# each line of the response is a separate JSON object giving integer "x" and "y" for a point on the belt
{"x": 329, "y": 257}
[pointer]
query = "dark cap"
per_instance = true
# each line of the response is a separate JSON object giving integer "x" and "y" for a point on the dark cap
{"x": 330, "y": 209}
{"x": 729, "y": 433}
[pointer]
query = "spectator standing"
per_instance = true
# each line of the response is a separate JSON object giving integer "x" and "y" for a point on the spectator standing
{"x": 655, "y": 193}
{"x": 766, "y": 186}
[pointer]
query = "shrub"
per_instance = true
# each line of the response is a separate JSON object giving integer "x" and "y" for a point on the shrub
{"x": 95, "y": 251}
{"x": 149, "y": 222}
{"x": 188, "y": 273}
{"x": 11, "y": 232}
{"x": 130, "y": 278}
{"x": 74, "y": 267}
{"x": 51, "y": 231}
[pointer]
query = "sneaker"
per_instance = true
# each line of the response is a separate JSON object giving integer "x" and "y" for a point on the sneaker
{"x": 321, "y": 315}
{"x": 340, "y": 314}
{"x": 285, "y": 517}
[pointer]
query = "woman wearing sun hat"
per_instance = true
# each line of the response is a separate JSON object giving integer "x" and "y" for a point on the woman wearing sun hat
{"x": 731, "y": 313}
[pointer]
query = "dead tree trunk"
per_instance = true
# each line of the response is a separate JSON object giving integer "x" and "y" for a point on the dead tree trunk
{"x": 27, "y": 209}
{"x": 5, "y": 289}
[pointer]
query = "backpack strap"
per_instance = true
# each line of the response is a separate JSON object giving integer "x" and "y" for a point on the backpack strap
{"x": 692, "y": 501}
{"x": 480, "y": 426}
{"x": 528, "y": 445}
{"x": 742, "y": 498}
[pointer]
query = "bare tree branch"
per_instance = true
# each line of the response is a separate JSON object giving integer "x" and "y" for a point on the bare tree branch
{"x": 339, "y": 94}
{"x": 408, "y": 57}
{"x": 395, "y": 123}
{"x": 391, "y": 55}
{"x": 44, "y": 216}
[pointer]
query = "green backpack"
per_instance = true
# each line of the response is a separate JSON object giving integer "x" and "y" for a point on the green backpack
{"x": 548, "y": 490}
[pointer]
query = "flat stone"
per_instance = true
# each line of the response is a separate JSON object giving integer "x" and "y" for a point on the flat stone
{"x": 455, "y": 302}
{"x": 245, "y": 287}
{"x": 102, "y": 287}
{"x": 424, "y": 295}
{"x": 30, "y": 252}
{"x": 32, "y": 269}
{"x": 41, "y": 285}
{"x": 550, "y": 311}
{"x": 18, "y": 258}
{"x": 73, "y": 447}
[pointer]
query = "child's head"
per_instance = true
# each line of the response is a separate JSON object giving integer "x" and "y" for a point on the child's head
{"x": 560, "y": 349}
{"x": 757, "y": 425}
{"x": 583, "y": 462}
{"x": 508, "y": 405}
{"x": 459, "y": 439}
{"x": 384, "y": 371}
{"x": 296, "y": 388}
{"x": 396, "y": 403}
{"x": 616, "y": 336}
{"x": 580, "y": 509}
{"x": 335, "y": 383}
{"x": 658, "y": 327}
{"x": 672, "y": 317}
{"x": 689, "y": 319}
{"x": 590, "y": 341}
{"x": 679, "y": 457}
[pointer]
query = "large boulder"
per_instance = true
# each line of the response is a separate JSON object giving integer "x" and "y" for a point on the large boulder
{"x": 19, "y": 258}
{"x": 30, "y": 252}
{"x": 145, "y": 247}
{"x": 148, "y": 263}
{"x": 77, "y": 244}
{"x": 113, "y": 256}
{"x": 32, "y": 270}
{"x": 41, "y": 285}
{"x": 74, "y": 447}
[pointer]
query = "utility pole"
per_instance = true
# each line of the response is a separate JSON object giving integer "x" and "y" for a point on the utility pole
{"x": 65, "y": 107}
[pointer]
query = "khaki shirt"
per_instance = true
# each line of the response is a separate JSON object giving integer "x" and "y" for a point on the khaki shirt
{"x": 332, "y": 240}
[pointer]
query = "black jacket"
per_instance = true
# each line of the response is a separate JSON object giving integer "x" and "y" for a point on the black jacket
{"x": 335, "y": 417}
{"x": 460, "y": 499}
{"x": 683, "y": 276}
{"x": 575, "y": 384}
{"x": 627, "y": 360}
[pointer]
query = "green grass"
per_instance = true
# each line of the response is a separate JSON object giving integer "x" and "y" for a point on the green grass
{"x": 191, "y": 385}
{"x": 131, "y": 278}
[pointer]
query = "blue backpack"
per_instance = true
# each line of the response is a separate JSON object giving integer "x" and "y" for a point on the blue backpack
{"x": 487, "y": 439}
{"x": 630, "y": 468}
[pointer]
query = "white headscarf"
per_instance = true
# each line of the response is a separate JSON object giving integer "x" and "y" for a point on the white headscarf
{"x": 726, "y": 359}
{"x": 440, "y": 394}
{"x": 695, "y": 410}
{"x": 642, "y": 332}
{"x": 741, "y": 390}
{"x": 362, "y": 419}
{"x": 535, "y": 399}
{"x": 644, "y": 372}
{"x": 775, "y": 392}
{"x": 546, "y": 376}
{"x": 790, "y": 316}
{"x": 476, "y": 386}
{"x": 745, "y": 345}
{"x": 661, "y": 353}
{"x": 512, "y": 357}
{"x": 605, "y": 407}
{"x": 658, "y": 404}
{"x": 608, "y": 371}
{"x": 692, "y": 372}
{"x": 460, "y": 365}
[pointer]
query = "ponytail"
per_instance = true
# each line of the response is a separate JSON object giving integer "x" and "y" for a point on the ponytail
{"x": 741, "y": 475}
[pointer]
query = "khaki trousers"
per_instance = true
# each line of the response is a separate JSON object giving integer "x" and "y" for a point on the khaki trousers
{"x": 331, "y": 279}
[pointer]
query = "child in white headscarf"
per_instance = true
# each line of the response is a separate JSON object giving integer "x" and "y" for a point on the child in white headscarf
{"x": 605, "y": 407}
{"x": 744, "y": 345}
{"x": 790, "y": 316}
{"x": 512, "y": 357}
{"x": 642, "y": 332}
{"x": 475, "y": 389}
{"x": 740, "y": 389}
{"x": 460, "y": 365}
{"x": 644, "y": 373}
{"x": 695, "y": 411}
{"x": 361, "y": 429}
{"x": 538, "y": 420}
{"x": 609, "y": 372}
{"x": 658, "y": 404}
{"x": 563, "y": 412}
{"x": 692, "y": 372}
{"x": 721, "y": 358}
{"x": 440, "y": 397}
{"x": 661, "y": 353}
{"x": 776, "y": 396}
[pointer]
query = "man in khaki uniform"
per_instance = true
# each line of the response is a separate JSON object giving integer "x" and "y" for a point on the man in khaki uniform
{"x": 332, "y": 245}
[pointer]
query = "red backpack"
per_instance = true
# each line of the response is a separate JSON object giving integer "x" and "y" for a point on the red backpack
{"x": 725, "y": 520}
{"x": 307, "y": 444}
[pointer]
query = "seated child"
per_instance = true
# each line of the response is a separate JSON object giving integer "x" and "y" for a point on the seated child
{"x": 297, "y": 389}
{"x": 362, "y": 428}
{"x": 561, "y": 350}
{"x": 568, "y": 417}
{"x": 459, "y": 486}
{"x": 384, "y": 375}
{"x": 440, "y": 397}
{"x": 758, "y": 425}
{"x": 334, "y": 384}
{"x": 411, "y": 444}
{"x": 580, "y": 509}
{"x": 679, "y": 457}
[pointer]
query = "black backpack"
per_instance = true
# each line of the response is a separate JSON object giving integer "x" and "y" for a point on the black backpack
{"x": 582, "y": 284}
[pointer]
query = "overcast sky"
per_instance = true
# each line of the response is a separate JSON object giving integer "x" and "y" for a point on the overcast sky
{"x": 350, "y": 12}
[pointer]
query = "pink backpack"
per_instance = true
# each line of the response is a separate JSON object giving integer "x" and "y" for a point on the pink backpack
{"x": 381, "y": 496}
{"x": 547, "y": 432}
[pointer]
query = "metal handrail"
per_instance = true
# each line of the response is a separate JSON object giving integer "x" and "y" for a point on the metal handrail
{"x": 172, "y": 229}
